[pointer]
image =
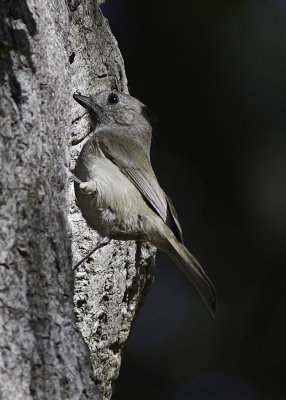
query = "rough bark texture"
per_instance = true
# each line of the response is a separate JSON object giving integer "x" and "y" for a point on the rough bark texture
{"x": 47, "y": 51}
{"x": 110, "y": 287}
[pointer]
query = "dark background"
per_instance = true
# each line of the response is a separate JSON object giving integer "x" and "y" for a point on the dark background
{"x": 214, "y": 73}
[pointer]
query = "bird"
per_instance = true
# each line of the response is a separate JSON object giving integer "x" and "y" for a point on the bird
{"x": 117, "y": 190}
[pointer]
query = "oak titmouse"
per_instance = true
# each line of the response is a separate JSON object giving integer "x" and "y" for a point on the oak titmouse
{"x": 119, "y": 194}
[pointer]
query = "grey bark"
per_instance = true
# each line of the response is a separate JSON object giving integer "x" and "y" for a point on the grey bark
{"x": 47, "y": 51}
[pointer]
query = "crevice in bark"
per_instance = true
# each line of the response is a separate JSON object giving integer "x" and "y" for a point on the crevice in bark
{"x": 71, "y": 58}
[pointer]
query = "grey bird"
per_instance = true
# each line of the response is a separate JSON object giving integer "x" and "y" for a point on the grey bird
{"x": 117, "y": 190}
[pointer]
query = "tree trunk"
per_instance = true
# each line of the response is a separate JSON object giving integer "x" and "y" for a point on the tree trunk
{"x": 47, "y": 51}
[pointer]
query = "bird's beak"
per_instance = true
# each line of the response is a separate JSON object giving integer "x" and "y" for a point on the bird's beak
{"x": 83, "y": 101}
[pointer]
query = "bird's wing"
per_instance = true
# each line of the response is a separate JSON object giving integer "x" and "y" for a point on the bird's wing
{"x": 173, "y": 221}
{"x": 135, "y": 165}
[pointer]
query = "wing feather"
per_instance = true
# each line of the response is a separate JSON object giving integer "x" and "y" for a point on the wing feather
{"x": 136, "y": 166}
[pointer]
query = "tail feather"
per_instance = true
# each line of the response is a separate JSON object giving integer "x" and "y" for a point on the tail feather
{"x": 195, "y": 273}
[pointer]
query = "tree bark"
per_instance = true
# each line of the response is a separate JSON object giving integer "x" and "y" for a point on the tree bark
{"x": 47, "y": 51}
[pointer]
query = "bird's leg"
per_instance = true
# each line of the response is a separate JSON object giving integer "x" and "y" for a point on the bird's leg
{"x": 75, "y": 178}
{"x": 86, "y": 187}
{"x": 89, "y": 187}
{"x": 103, "y": 242}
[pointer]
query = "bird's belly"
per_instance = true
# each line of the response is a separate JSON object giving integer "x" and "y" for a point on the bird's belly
{"x": 116, "y": 209}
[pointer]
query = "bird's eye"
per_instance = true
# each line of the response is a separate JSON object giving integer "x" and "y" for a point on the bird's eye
{"x": 113, "y": 98}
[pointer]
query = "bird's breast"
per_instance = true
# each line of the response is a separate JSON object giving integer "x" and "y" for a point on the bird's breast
{"x": 116, "y": 208}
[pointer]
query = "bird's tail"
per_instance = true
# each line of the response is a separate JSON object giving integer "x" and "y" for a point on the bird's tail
{"x": 194, "y": 272}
